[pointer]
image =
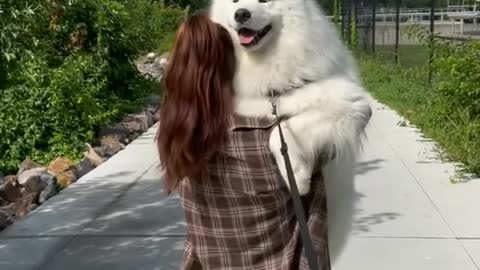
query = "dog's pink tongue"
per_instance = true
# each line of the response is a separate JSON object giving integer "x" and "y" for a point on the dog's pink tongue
{"x": 246, "y": 39}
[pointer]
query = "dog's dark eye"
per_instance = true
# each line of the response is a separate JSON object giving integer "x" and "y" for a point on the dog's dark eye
{"x": 263, "y": 1}
{"x": 235, "y": 1}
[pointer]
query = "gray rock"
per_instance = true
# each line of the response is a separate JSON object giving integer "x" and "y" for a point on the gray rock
{"x": 43, "y": 186}
{"x": 153, "y": 103}
{"x": 94, "y": 158}
{"x": 162, "y": 61}
{"x": 99, "y": 151}
{"x": 4, "y": 221}
{"x": 134, "y": 136}
{"x": 153, "y": 69}
{"x": 39, "y": 172}
{"x": 149, "y": 117}
{"x": 165, "y": 55}
{"x": 48, "y": 179}
{"x": 152, "y": 110}
{"x": 156, "y": 116}
{"x": 3, "y": 202}
{"x": 135, "y": 127}
{"x": 47, "y": 192}
{"x": 145, "y": 119}
{"x": 10, "y": 191}
{"x": 2, "y": 179}
{"x": 27, "y": 165}
{"x": 84, "y": 167}
{"x": 120, "y": 133}
{"x": 31, "y": 192}
{"x": 111, "y": 145}
{"x": 128, "y": 118}
{"x": 8, "y": 210}
{"x": 34, "y": 185}
{"x": 26, "y": 203}
{"x": 25, "y": 175}
{"x": 151, "y": 57}
{"x": 38, "y": 185}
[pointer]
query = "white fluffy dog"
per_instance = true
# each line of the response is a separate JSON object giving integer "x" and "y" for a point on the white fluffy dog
{"x": 289, "y": 46}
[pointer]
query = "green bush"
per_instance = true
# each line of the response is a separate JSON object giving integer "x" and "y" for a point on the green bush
{"x": 19, "y": 24}
{"x": 447, "y": 109}
{"x": 54, "y": 111}
{"x": 456, "y": 70}
{"x": 67, "y": 68}
{"x": 155, "y": 24}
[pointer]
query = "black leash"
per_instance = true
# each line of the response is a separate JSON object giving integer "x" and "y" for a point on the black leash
{"x": 297, "y": 201}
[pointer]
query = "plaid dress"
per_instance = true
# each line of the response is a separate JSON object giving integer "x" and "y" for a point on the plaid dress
{"x": 240, "y": 215}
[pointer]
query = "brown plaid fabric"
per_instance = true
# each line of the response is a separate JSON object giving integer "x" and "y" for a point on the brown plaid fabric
{"x": 240, "y": 215}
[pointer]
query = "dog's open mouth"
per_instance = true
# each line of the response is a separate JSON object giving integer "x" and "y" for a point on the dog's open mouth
{"x": 249, "y": 37}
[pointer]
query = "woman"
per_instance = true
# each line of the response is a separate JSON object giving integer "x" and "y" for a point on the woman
{"x": 238, "y": 209}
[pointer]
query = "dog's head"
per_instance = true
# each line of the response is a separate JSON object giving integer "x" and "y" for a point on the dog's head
{"x": 253, "y": 22}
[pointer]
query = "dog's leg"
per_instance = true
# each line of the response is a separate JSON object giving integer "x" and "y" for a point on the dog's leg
{"x": 311, "y": 135}
{"x": 339, "y": 110}
{"x": 336, "y": 98}
{"x": 302, "y": 165}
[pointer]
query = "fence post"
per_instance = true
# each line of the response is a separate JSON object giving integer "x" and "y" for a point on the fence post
{"x": 374, "y": 23}
{"x": 336, "y": 11}
{"x": 348, "y": 9}
{"x": 343, "y": 12}
{"x": 354, "y": 25}
{"x": 397, "y": 29}
{"x": 432, "y": 37}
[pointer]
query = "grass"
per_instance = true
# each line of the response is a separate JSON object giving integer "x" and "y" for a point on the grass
{"x": 407, "y": 91}
{"x": 409, "y": 55}
{"x": 394, "y": 87}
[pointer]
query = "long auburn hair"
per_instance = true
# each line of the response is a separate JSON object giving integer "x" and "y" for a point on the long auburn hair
{"x": 198, "y": 99}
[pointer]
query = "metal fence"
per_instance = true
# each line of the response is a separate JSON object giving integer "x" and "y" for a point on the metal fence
{"x": 381, "y": 26}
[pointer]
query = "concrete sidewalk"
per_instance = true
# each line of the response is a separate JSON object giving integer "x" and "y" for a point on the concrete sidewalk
{"x": 403, "y": 211}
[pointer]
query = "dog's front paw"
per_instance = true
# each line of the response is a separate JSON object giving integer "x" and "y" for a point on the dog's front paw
{"x": 303, "y": 186}
{"x": 303, "y": 180}
{"x": 302, "y": 169}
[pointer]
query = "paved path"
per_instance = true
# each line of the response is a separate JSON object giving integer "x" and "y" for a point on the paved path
{"x": 404, "y": 212}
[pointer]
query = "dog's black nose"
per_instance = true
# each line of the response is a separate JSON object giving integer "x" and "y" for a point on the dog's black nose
{"x": 242, "y": 15}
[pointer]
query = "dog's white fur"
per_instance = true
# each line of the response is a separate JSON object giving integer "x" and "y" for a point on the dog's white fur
{"x": 327, "y": 110}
